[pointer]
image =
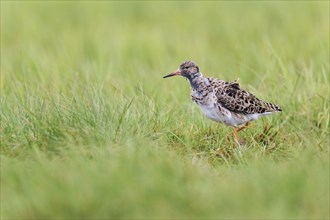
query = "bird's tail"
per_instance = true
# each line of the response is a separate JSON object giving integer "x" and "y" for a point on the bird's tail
{"x": 272, "y": 107}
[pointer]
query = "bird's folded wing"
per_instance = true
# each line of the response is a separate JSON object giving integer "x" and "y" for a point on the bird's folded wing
{"x": 235, "y": 99}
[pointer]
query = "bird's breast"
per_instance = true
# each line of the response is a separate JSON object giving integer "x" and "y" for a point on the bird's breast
{"x": 203, "y": 97}
{"x": 212, "y": 112}
{"x": 217, "y": 113}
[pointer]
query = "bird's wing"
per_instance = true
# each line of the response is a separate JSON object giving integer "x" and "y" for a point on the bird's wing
{"x": 235, "y": 99}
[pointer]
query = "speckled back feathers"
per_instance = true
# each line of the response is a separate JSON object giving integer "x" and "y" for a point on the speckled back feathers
{"x": 223, "y": 101}
{"x": 235, "y": 99}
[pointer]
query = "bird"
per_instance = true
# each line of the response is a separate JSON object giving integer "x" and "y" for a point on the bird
{"x": 221, "y": 101}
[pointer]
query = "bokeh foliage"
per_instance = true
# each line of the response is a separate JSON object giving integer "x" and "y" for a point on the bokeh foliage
{"x": 89, "y": 128}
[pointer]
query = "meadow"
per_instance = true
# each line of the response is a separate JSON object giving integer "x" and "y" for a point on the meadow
{"x": 90, "y": 129}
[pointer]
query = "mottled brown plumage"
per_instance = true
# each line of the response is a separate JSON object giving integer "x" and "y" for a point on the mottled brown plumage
{"x": 237, "y": 100}
{"x": 223, "y": 101}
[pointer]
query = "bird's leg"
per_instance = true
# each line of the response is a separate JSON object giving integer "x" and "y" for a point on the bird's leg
{"x": 236, "y": 134}
{"x": 244, "y": 126}
{"x": 236, "y": 130}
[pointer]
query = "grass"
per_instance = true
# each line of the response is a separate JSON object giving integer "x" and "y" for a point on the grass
{"x": 89, "y": 129}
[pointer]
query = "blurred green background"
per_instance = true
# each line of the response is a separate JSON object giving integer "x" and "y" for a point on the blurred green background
{"x": 89, "y": 129}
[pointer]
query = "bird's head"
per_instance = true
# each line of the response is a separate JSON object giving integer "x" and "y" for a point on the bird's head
{"x": 187, "y": 69}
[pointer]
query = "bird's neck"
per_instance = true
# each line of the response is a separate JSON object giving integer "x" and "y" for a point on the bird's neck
{"x": 198, "y": 82}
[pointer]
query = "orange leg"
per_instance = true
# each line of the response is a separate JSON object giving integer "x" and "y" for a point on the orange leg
{"x": 245, "y": 126}
{"x": 235, "y": 134}
{"x": 236, "y": 130}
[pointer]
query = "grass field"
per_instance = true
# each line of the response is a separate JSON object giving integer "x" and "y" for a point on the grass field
{"x": 89, "y": 129}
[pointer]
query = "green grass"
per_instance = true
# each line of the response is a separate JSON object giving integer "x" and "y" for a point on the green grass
{"x": 89, "y": 129}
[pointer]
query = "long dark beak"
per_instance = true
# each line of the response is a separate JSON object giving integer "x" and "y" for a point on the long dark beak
{"x": 176, "y": 73}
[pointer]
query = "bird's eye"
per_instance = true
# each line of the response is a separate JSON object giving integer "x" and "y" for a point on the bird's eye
{"x": 186, "y": 67}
